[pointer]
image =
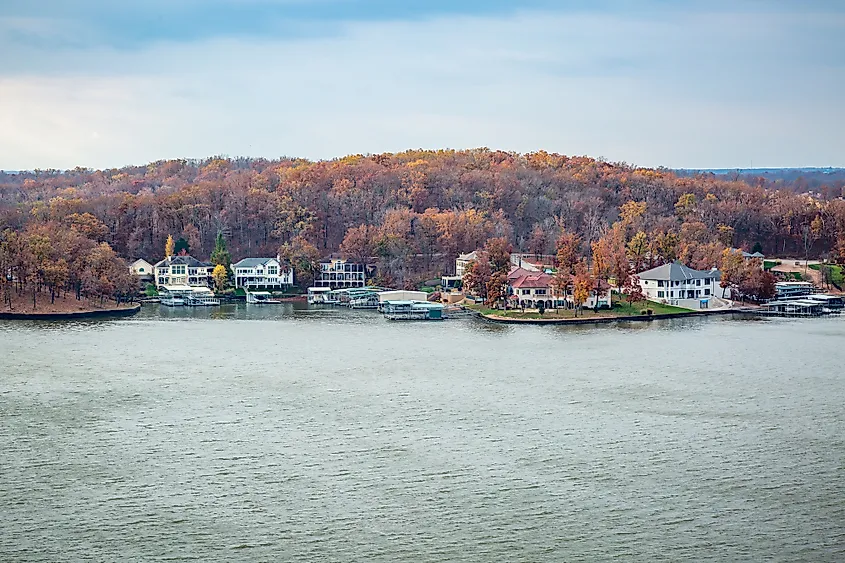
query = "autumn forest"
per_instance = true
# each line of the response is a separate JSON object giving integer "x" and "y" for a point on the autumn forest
{"x": 409, "y": 213}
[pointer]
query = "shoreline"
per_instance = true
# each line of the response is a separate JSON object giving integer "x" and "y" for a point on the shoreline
{"x": 609, "y": 319}
{"x": 72, "y": 315}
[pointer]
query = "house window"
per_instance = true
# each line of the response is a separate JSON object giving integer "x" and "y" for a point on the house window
{"x": 141, "y": 269}
{"x": 659, "y": 283}
{"x": 178, "y": 270}
{"x": 706, "y": 292}
{"x": 540, "y": 292}
{"x": 526, "y": 292}
{"x": 660, "y": 293}
{"x": 671, "y": 294}
{"x": 697, "y": 282}
{"x": 272, "y": 270}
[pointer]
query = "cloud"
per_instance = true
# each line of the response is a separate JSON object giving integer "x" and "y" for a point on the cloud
{"x": 704, "y": 89}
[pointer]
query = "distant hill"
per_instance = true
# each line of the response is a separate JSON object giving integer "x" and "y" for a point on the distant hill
{"x": 760, "y": 171}
{"x": 826, "y": 182}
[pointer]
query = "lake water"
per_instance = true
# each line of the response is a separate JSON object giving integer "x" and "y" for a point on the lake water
{"x": 287, "y": 434}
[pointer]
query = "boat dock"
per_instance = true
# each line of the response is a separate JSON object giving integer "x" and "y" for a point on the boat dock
{"x": 413, "y": 311}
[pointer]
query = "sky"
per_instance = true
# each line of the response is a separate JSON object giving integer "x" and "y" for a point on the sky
{"x": 681, "y": 84}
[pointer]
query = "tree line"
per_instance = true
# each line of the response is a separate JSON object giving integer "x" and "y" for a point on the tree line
{"x": 412, "y": 212}
{"x": 59, "y": 259}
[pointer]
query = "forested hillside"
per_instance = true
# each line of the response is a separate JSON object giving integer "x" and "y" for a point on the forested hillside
{"x": 413, "y": 211}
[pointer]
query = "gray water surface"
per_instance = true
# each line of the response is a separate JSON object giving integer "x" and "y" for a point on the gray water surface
{"x": 287, "y": 434}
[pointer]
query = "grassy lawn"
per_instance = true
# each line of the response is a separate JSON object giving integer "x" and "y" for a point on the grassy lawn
{"x": 836, "y": 271}
{"x": 620, "y": 309}
{"x": 769, "y": 264}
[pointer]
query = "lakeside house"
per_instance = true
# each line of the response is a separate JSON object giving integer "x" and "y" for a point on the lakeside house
{"x": 529, "y": 262}
{"x": 461, "y": 263}
{"x": 262, "y": 273}
{"x": 680, "y": 285}
{"x": 183, "y": 271}
{"x": 337, "y": 273}
{"x": 143, "y": 270}
{"x": 529, "y": 288}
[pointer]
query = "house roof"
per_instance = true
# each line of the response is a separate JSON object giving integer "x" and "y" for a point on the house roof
{"x": 251, "y": 262}
{"x": 532, "y": 280}
{"x": 517, "y": 272}
{"x": 469, "y": 256}
{"x": 748, "y": 254}
{"x": 186, "y": 260}
{"x": 139, "y": 260}
{"x": 533, "y": 262}
{"x": 676, "y": 271}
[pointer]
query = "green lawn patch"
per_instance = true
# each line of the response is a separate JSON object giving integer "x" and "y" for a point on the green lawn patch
{"x": 620, "y": 309}
{"x": 623, "y": 309}
{"x": 769, "y": 264}
{"x": 836, "y": 272}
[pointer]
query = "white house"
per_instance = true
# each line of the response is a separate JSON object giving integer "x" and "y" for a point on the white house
{"x": 142, "y": 269}
{"x": 183, "y": 271}
{"x": 529, "y": 288}
{"x": 337, "y": 273}
{"x": 680, "y": 285}
{"x": 264, "y": 273}
{"x": 462, "y": 261}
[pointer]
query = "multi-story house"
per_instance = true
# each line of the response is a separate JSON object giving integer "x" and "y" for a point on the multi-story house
{"x": 680, "y": 285}
{"x": 337, "y": 273}
{"x": 528, "y": 288}
{"x": 262, "y": 273}
{"x": 142, "y": 269}
{"x": 183, "y": 270}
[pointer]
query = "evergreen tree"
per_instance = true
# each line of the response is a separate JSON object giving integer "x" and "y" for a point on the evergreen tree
{"x": 221, "y": 255}
{"x": 182, "y": 247}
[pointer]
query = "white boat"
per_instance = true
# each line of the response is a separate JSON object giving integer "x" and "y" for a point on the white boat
{"x": 172, "y": 301}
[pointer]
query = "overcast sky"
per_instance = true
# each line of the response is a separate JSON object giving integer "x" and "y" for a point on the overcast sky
{"x": 104, "y": 83}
